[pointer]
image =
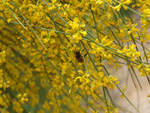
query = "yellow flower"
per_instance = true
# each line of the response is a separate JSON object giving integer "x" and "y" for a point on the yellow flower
{"x": 118, "y": 7}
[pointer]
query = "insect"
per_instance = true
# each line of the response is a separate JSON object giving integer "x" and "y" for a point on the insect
{"x": 79, "y": 56}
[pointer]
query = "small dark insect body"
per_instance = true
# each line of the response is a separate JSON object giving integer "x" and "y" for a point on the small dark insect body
{"x": 78, "y": 56}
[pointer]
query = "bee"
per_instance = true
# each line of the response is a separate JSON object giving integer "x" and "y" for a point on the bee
{"x": 79, "y": 56}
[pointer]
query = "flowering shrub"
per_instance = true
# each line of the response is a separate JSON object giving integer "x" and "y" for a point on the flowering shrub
{"x": 54, "y": 53}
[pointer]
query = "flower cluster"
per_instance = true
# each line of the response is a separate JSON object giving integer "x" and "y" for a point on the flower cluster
{"x": 60, "y": 53}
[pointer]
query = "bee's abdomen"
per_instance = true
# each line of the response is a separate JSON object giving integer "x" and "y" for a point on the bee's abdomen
{"x": 80, "y": 60}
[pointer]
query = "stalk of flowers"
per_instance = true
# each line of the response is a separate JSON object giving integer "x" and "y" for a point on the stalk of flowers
{"x": 42, "y": 72}
{"x": 4, "y": 84}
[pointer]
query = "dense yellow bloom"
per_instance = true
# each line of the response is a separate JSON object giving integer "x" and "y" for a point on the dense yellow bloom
{"x": 39, "y": 68}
